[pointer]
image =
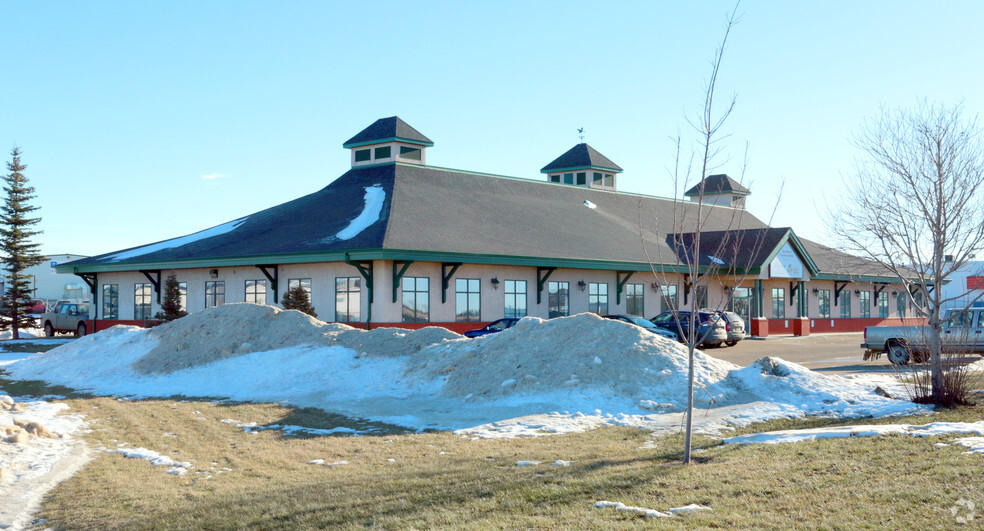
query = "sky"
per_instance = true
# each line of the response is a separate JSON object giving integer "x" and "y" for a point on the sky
{"x": 143, "y": 121}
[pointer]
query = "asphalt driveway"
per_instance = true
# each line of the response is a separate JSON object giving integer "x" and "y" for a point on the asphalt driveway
{"x": 833, "y": 353}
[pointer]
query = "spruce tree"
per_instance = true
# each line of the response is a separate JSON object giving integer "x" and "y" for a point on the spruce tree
{"x": 19, "y": 252}
{"x": 297, "y": 298}
{"x": 171, "y": 305}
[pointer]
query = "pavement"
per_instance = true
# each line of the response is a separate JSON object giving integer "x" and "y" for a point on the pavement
{"x": 829, "y": 353}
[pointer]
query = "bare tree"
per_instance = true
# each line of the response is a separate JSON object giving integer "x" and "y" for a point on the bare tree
{"x": 914, "y": 205}
{"x": 703, "y": 246}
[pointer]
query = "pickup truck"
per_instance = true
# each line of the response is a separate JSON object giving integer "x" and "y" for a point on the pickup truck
{"x": 67, "y": 318}
{"x": 963, "y": 331}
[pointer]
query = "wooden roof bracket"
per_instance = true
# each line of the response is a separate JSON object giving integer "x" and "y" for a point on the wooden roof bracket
{"x": 274, "y": 278}
{"x": 542, "y": 274}
{"x": 446, "y": 275}
{"x": 839, "y": 288}
{"x": 403, "y": 265}
{"x": 620, "y": 284}
{"x": 155, "y": 278}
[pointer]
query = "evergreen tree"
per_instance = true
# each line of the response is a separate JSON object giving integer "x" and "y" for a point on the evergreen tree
{"x": 171, "y": 305}
{"x": 19, "y": 252}
{"x": 297, "y": 298}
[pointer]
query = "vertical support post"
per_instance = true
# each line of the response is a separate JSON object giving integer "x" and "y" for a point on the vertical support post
{"x": 273, "y": 277}
{"x": 446, "y": 275}
{"x": 365, "y": 268}
{"x": 542, "y": 274}
{"x": 620, "y": 284}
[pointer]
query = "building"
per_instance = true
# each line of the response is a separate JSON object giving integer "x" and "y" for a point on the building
{"x": 50, "y": 285}
{"x": 395, "y": 242}
{"x": 965, "y": 286}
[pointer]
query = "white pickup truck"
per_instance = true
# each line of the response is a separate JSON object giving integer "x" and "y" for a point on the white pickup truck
{"x": 963, "y": 332}
{"x": 67, "y": 318}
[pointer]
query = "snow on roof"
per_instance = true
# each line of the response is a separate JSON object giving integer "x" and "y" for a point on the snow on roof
{"x": 177, "y": 242}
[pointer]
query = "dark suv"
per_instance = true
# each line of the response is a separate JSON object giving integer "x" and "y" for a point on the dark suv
{"x": 711, "y": 330}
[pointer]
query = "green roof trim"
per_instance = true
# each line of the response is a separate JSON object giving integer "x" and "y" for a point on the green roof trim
{"x": 384, "y": 140}
{"x": 575, "y": 168}
{"x": 793, "y": 240}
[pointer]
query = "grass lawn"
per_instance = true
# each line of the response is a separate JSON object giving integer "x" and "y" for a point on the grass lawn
{"x": 439, "y": 480}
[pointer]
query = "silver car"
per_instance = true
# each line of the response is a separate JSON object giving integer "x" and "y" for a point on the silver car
{"x": 734, "y": 325}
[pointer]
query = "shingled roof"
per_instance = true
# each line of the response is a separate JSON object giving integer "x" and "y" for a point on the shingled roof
{"x": 388, "y": 129}
{"x": 581, "y": 156}
{"x": 718, "y": 184}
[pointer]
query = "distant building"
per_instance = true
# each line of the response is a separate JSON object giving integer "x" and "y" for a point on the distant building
{"x": 966, "y": 286}
{"x": 395, "y": 242}
{"x": 48, "y": 284}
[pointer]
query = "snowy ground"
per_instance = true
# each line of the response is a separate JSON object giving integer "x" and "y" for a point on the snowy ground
{"x": 537, "y": 378}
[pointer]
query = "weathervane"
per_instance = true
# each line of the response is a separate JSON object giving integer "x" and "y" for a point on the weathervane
{"x": 580, "y": 134}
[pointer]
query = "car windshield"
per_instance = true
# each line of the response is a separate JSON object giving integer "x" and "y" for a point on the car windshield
{"x": 960, "y": 320}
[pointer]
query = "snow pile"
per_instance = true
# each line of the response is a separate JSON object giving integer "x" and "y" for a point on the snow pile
{"x": 537, "y": 378}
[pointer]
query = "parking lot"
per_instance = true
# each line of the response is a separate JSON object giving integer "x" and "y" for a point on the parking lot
{"x": 831, "y": 353}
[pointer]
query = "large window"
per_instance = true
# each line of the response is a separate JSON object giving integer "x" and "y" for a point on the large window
{"x": 111, "y": 301}
{"x": 823, "y": 301}
{"x": 634, "y": 303}
{"x": 347, "y": 299}
{"x": 900, "y": 304}
{"x": 778, "y": 303}
{"x": 669, "y": 299}
{"x": 741, "y": 302}
{"x": 598, "y": 297}
{"x": 304, "y": 283}
{"x": 214, "y": 293}
{"x": 416, "y": 299}
{"x": 515, "y": 298}
{"x": 141, "y": 301}
{"x": 558, "y": 299}
{"x": 183, "y": 295}
{"x": 864, "y": 300}
{"x": 883, "y": 305}
{"x": 256, "y": 291}
{"x": 844, "y": 302}
{"x": 700, "y": 295}
{"x": 468, "y": 300}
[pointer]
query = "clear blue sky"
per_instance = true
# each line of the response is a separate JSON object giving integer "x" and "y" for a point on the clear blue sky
{"x": 124, "y": 110}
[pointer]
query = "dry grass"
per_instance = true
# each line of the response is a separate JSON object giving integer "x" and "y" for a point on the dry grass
{"x": 439, "y": 480}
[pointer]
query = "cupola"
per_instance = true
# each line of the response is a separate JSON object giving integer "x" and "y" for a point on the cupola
{"x": 719, "y": 190}
{"x": 582, "y": 165}
{"x": 388, "y": 140}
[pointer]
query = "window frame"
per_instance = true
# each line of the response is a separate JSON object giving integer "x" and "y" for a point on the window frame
{"x": 382, "y": 152}
{"x": 778, "y": 303}
{"x": 559, "y": 291}
{"x": 251, "y": 290}
{"x": 512, "y": 292}
{"x": 145, "y": 292}
{"x": 844, "y": 303}
{"x": 864, "y": 301}
{"x": 213, "y": 293}
{"x": 635, "y": 299}
{"x": 348, "y": 297}
{"x": 467, "y": 300}
{"x": 419, "y": 297}
{"x": 111, "y": 301}
{"x": 598, "y": 297}
{"x": 363, "y": 155}
{"x": 823, "y": 303}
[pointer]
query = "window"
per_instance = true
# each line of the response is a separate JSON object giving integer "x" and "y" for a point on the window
{"x": 515, "y": 298}
{"x": 634, "y": 303}
{"x": 558, "y": 299}
{"x": 609, "y": 180}
{"x": 823, "y": 301}
{"x": 700, "y": 295}
{"x": 555, "y": 178}
{"x": 568, "y": 178}
{"x": 410, "y": 153}
{"x": 582, "y": 178}
{"x": 302, "y": 282}
{"x": 598, "y": 298}
{"x": 883, "y": 305}
{"x": 900, "y": 304}
{"x": 669, "y": 297}
{"x": 844, "y": 301}
{"x": 864, "y": 300}
{"x": 381, "y": 153}
{"x": 362, "y": 155}
{"x": 183, "y": 295}
{"x": 778, "y": 303}
{"x": 348, "y": 300}
{"x": 111, "y": 301}
{"x": 468, "y": 300}
{"x": 256, "y": 291}
{"x": 141, "y": 301}
{"x": 214, "y": 293}
{"x": 741, "y": 302}
{"x": 596, "y": 179}
{"x": 416, "y": 299}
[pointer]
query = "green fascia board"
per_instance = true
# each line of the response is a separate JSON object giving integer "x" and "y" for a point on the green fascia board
{"x": 575, "y": 168}
{"x": 790, "y": 237}
{"x": 859, "y": 278}
{"x": 375, "y": 254}
{"x": 733, "y": 192}
{"x": 384, "y": 140}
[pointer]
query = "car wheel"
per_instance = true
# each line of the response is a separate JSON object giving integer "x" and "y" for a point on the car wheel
{"x": 898, "y": 354}
{"x": 80, "y": 331}
{"x": 49, "y": 331}
{"x": 731, "y": 343}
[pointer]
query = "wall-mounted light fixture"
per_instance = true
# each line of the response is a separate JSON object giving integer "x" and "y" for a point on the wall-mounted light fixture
{"x": 816, "y": 290}
{"x": 895, "y": 293}
{"x": 495, "y": 283}
{"x": 581, "y": 284}
{"x": 655, "y": 286}
{"x": 214, "y": 273}
{"x": 857, "y": 292}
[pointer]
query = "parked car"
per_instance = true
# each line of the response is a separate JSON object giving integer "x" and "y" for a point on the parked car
{"x": 963, "y": 332}
{"x": 493, "y": 327}
{"x": 644, "y": 323}
{"x": 69, "y": 318}
{"x": 734, "y": 325}
{"x": 711, "y": 332}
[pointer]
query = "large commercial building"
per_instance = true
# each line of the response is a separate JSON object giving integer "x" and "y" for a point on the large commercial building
{"x": 395, "y": 242}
